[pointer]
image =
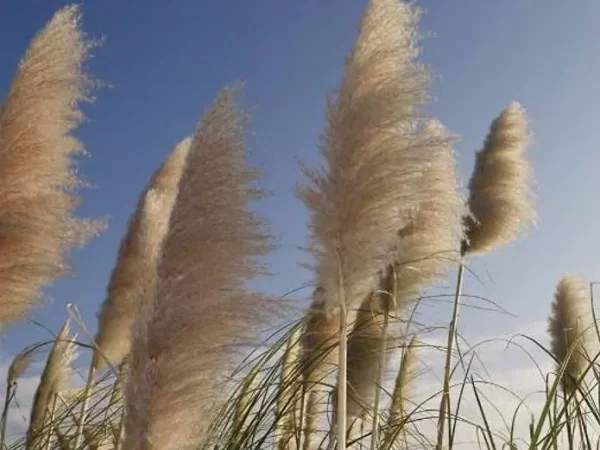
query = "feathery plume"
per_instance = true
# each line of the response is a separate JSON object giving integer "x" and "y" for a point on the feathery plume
{"x": 288, "y": 399}
{"x": 406, "y": 375}
{"x": 19, "y": 365}
{"x": 570, "y": 326}
{"x": 428, "y": 243}
{"x": 57, "y": 374}
{"x": 137, "y": 261}
{"x": 37, "y": 149}
{"x": 311, "y": 419}
{"x": 374, "y": 159}
{"x": 318, "y": 359}
{"x": 201, "y": 306}
{"x": 320, "y": 340}
{"x": 374, "y": 155}
{"x": 501, "y": 199}
{"x": 364, "y": 351}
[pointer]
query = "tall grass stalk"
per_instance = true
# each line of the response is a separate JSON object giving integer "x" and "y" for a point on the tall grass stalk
{"x": 373, "y": 166}
{"x": 50, "y": 425}
{"x": 342, "y": 380}
{"x": 7, "y": 399}
{"x": 18, "y": 366}
{"x": 397, "y": 413}
{"x": 87, "y": 393}
{"x": 287, "y": 402}
{"x": 444, "y": 411}
{"x": 388, "y": 298}
{"x": 501, "y": 206}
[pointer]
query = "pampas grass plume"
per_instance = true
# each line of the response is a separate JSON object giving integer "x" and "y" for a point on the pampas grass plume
{"x": 320, "y": 340}
{"x": 136, "y": 268}
{"x": 403, "y": 385}
{"x": 38, "y": 180}
{"x": 55, "y": 377}
{"x": 501, "y": 199}
{"x": 181, "y": 352}
{"x": 570, "y": 328}
{"x": 364, "y": 351}
{"x": 427, "y": 245}
{"x": 368, "y": 187}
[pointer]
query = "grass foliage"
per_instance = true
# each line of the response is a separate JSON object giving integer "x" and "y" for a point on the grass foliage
{"x": 188, "y": 357}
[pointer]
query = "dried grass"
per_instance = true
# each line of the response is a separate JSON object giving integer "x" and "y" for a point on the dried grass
{"x": 19, "y": 365}
{"x": 37, "y": 193}
{"x": 365, "y": 346}
{"x": 374, "y": 152}
{"x": 320, "y": 342}
{"x": 571, "y": 328}
{"x": 136, "y": 269}
{"x": 402, "y": 389}
{"x": 501, "y": 198}
{"x": 56, "y": 376}
{"x": 429, "y": 243}
{"x": 182, "y": 351}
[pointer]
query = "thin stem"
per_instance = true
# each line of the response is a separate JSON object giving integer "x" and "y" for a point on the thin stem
{"x": 445, "y": 402}
{"x": 583, "y": 427}
{"x": 84, "y": 405}
{"x": 568, "y": 423}
{"x": 342, "y": 381}
{"x": 382, "y": 356}
{"x": 343, "y": 362}
{"x": 7, "y": 400}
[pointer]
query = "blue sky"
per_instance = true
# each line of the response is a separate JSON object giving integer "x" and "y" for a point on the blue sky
{"x": 166, "y": 60}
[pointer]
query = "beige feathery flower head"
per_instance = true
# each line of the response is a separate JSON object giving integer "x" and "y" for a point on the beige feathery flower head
{"x": 38, "y": 178}
{"x": 364, "y": 345}
{"x": 501, "y": 198}
{"x": 320, "y": 341}
{"x": 182, "y": 350}
{"x": 55, "y": 378}
{"x": 402, "y": 387}
{"x": 427, "y": 245}
{"x": 136, "y": 269}
{"x": 373, "y": 154}
{"x": 570, "y": 327}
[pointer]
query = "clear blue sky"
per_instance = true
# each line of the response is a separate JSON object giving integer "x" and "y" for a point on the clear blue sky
{"x": 167, "y": 59}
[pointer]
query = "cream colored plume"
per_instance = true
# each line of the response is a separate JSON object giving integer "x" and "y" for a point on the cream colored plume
{"x": 365, "y": 346}
{"x": 37, "y": 173}
{"x": 55, "y": 378}
{"x": 320, "y": 340}
{"x": 182, "y": 349}
{"x": 375, "y": 154}
{"x": 501, "y": 199}
{"x": 289, "y": 396}
{"x": 136, "y": 268}
{"x": 402, "y": 389}
{"x": 428, "y": 244}
{"x": 570, "y": 326}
